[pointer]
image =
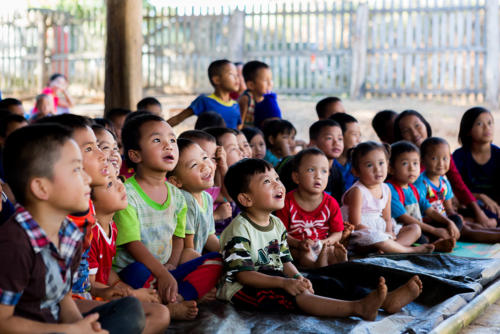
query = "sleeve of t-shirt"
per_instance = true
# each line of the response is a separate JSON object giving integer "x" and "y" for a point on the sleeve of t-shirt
{"x": 190, "y": 214}
{"x": 94, "y": 251}
{"x": 397, "y": 208}
{"x": 463, "y": 193}
{"x": 128, "y": 225}
{"x": 17, "y": 267}
{"x": 421, "y": 187}
{"x": 210, "y": 205}
{"x": 237, "y": 256}
{"x": 198, "y": 105}
{"x": 449, "y": 194}
{"x": 336, "y": 222}
{"x": 180, "y": 228}
{"x": 423, "y": 203}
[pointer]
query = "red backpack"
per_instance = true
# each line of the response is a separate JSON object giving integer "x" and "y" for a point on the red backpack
{"x": 401, "y": 194}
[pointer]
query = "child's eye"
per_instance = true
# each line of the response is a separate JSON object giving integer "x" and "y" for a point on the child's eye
{"x": 266, "y": 181}
{"x": 310, "y": 170}
{"x": 88, "y": 149}
{"x": 173, "y": 140}
{"x": 156, "y": 140}
{"x": 405, "y": 163}
{"x": 324, "y": 171}
{"x": 194, "y": 165}
{"x": 369, "y": 165}
{"x": 110, "y": 184}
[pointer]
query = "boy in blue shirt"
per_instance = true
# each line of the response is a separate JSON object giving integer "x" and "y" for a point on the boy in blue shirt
{"x": 224, "y": 78}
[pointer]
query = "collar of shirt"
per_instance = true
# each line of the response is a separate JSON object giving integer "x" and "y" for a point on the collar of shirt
{"x": 69, "y": 238}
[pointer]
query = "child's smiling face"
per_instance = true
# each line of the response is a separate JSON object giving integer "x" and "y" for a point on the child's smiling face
{"x": 230, "y": 144}
{"x": 437, "y": 160}
{"x": 95, "y": 162}
{"x": 266, "y": 191}
{"x": 195, "y": 171}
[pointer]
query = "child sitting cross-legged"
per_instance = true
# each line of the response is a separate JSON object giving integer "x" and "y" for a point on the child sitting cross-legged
{"x": 408, "y": 207}
{"x": 367, "y": 205}
{"x": 259, "y": 273}
{"x": 311, "y": 216}
{"x": 151, "y": 230}
{"x": 105, "y": 283}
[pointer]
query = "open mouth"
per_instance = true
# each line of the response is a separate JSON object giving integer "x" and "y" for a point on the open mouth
{"x": 168, "y": 158}
{"x": 279, "y": 195}
{"x": 317, "y": 184}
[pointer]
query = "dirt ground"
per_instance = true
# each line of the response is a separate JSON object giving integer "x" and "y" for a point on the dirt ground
{"x": 444, "y": 116}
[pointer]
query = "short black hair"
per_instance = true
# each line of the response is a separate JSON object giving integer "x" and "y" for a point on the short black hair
{"x": 219, "y": 132}
{"x": 343, "y": 119}
{"x": 239, "y": 175}
{"x": 380, "y": 120}
{"x": 251, "y": 69}
{"x": 111, "y": 114}
{"x": 400, "y": 147}
{"x": 182, "y": 144}
{"x": 431, "y": 142}
{"x": 147, "y": 101}
{"x": 99, "y": 128}
{"x": 397, "y": 130}
{"x": 7, "y": 120}
{"x": 215, "y": 68}
{"x": 72, "y": 121}
{"x": 9, "y": 101}
{"x": 316, "y": 128}
{"x": 209, "y": 119}
{"x": 105, "y": 122}
{"x": 31, "y": 152}
{"x": 362, "y": 149}
{"x": 299, "y": 157}
{"x": 274, "y": 127}
{"x": 322, "y": 105}
{"x": 57, "y": 75}
{"x": 251, "y": 132}
{"x": 131, "y": 133}
{"x": 466, "y": 124}
{"x": 198, "y": 135}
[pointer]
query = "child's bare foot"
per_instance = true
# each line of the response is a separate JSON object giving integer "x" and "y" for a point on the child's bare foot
{"x": 338, "y": 253}
{"x": 368, "y": 306}
{"x": 403, "y": 295}
{"x": 208, "y": 297}
{"x": 322, "y": 260}
{"x": 185, "y": 310}
{"x": 425, "y": 248}
{"x": 444, "y": 245}
{"x": 346, "y": 233}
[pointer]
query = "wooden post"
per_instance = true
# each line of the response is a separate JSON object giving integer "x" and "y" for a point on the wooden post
{"x": 359, "y": 49}
{"x": 123, "y": 81}
{"x": 492, "y": 40}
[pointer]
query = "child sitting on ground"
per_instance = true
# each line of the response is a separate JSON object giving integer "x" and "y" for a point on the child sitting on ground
{"x": 478, "y": 160}
{"x": 352, "y": 137}
{"x": 255, "y": 138}
{"x": 311, "y": 216}
{"x": 407, "y": 206}
{"x": 221, "y": 209}
{"x": 327, "y": 135}
{"x": 45, "y": 106}
{"x": 329, "y": 106}
{"x": 279, "y": 135}
{"x": 367, "y": 205}
{"x": 194, "y": 174}
{"x": 224, "y": 78}
{"x": 150, "y": 104}
{"x": 44, "y": 169}
{"x": 257, "y": 103}
{"x": 383, "y": 124}
{"x": 259, "y": 273}
{"x": 434, "y": 185}
{"x": 151, "y": 229}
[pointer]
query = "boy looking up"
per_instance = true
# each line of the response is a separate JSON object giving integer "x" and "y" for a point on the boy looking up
{"x": 259, "y": 273}
{"x": 223, "y": 77}
{"x": 44, "y": 168}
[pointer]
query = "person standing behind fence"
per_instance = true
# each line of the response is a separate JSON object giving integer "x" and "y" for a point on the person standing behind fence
{"x": 224, "y": 78}
{"x": 257, "y": 103}
{"x": 57, "y": 86}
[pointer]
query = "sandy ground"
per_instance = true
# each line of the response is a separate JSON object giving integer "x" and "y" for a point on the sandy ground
{"x": 444, "y": 116}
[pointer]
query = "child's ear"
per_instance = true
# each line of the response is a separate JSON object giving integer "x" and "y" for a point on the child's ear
{"x": 245, "y": 200}
{"x": 216, "y": 80}
{"x": 40, "y": 188}
{"x": 295, "y": 177}
{"x": 175, "y": 181}
{"x": 390, "y": 170}
{"x": 134, "y": 156}
{"x": 271, "y": 140}
{"x": 250, "y": 85}
{"x": 354, "y": 172}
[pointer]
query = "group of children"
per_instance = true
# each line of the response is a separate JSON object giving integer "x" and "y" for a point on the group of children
{"x": 119, "y": 225}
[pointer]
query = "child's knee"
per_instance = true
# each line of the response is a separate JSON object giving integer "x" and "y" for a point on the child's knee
{"x": 158, "y": 314}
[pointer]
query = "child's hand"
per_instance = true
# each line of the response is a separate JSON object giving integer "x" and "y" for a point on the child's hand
{"x": 307, "y": 283}
{"x": 441, "y": 233}
{"x": 146, "y": 295}
{"x": 169, "y": 266}
{"x": 294, "y": 286}
{"x": 224, "y": 211}
{"x": 167, "y": 288}
{"x": 490, "y": 204}
{"x": 453, "y": 230}
{"x": 89, "y": 324}
{"x": 112, "y": 292}
{"x": 306, "y": 244}
{"x": 220, "y": 157}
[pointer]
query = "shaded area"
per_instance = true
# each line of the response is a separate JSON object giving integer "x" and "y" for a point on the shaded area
{"x": 449, "y": 283}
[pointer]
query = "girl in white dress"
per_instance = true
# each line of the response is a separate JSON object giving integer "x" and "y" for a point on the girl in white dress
{"x": 367, "y": 205}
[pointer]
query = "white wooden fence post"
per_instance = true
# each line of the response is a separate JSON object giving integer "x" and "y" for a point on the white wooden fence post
{"x": 492, "y": 53}
{"x": 359, "y": 49}
{"x": 236, "y": 35}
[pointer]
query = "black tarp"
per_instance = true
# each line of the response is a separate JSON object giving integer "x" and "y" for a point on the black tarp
{"x": 449, "y": 283}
